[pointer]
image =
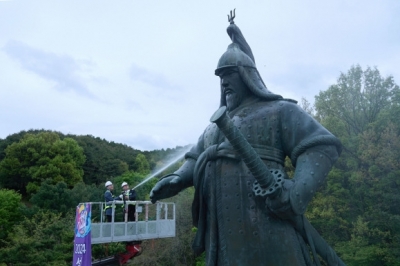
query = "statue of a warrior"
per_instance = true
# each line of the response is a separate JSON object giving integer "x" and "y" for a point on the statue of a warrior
{"x": 247, "y": 210}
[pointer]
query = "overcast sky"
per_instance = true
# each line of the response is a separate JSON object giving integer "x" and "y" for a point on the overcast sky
{"x": 142, "y": 72}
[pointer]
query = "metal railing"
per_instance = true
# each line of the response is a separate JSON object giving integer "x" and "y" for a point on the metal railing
{"x": 151, "y": 221}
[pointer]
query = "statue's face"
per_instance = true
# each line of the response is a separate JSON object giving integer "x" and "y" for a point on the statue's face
{"x": 233, "y": 88}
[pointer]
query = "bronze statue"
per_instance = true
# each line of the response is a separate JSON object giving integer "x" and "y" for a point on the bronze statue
{"x": 246, "y": 209}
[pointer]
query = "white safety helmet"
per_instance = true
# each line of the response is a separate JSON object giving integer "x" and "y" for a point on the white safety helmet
{"x": 108, "y": 183}
{"x": 124, "y": 184}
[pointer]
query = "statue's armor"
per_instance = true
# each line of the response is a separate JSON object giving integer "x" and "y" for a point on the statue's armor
{"x": 239, "y": 227}
{"x": 235, "y": 227}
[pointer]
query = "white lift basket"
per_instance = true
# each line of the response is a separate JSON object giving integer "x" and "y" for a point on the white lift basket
{"x": 151, "y": 221}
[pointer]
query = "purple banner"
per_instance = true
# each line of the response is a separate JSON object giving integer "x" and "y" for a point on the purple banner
{"x": 83, "y": 241}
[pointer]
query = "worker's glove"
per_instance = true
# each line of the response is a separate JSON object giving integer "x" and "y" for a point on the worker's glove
{"x": 121, "y": 197}
{"x": 280, "y": 205}
{"x": 167, "y": 187}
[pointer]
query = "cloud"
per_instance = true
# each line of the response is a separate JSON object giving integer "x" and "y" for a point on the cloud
{"x": 63, "y": 70}
{"x": 157, "y": 80}
{"x": 302, "y": 81}
{"x": 153, "y": 74}
{"x": 149, "y": 142}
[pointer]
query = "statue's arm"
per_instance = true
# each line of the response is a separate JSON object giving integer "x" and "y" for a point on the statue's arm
{"x": 312, "y": 168}
{"x": 313, "y": 151}
{"x": 311, "y": 171}
{"x": 185, "y": 173}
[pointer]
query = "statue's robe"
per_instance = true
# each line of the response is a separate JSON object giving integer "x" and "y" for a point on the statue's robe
{"x": 234, "y": 226}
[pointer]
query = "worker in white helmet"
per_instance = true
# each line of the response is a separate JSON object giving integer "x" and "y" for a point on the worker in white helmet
{"x": 109, "y": 198}
{"x": 129, "y": 194}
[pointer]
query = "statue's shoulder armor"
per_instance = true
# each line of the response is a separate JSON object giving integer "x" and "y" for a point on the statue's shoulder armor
{"x": 286, "y": 102}
{"x": 286, "y": 105}
{"x": 289, "y": 100}
{"x": 210, "y": 135}
{"x": 278, "y": 104}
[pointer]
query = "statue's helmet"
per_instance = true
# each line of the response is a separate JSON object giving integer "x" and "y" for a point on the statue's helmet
{"x": 234, "y": 57}
{"x": 239, "y": 56}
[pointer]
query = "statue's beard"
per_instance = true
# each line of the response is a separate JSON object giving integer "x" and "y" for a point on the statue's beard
{"x": 233, "y": 101}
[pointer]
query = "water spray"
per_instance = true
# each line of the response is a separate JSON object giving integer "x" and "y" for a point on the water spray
{"x": 174, "y": 160}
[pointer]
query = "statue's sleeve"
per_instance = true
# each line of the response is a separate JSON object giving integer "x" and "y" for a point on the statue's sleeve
{"x": 312, "y": 149}
{"x": 186, "y": 170}
{"x": 301, "y": 132}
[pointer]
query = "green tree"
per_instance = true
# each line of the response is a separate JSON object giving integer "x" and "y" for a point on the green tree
{"x": 350, "y": 106}
{"x": 177, "y": 250}
{"x": 105, "y": 159}
{"x": 306, "y": 105}
{"x": 10, "y": 215}
{"x": 36, "y": 158}
{"x": 59, "y": 198}
{"x": 359, "y": 251}
{"x": 44, "y": 239}
{"x": 357, "y": 210}
{"x": 141, "y": 164}
{"x": 87, "y": 193}
{"x": 56, "y": 198}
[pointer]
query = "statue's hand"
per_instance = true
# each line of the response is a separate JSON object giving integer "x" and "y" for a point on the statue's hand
{"x": 280, "y": 205}
{"x": 166, "y": 188}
